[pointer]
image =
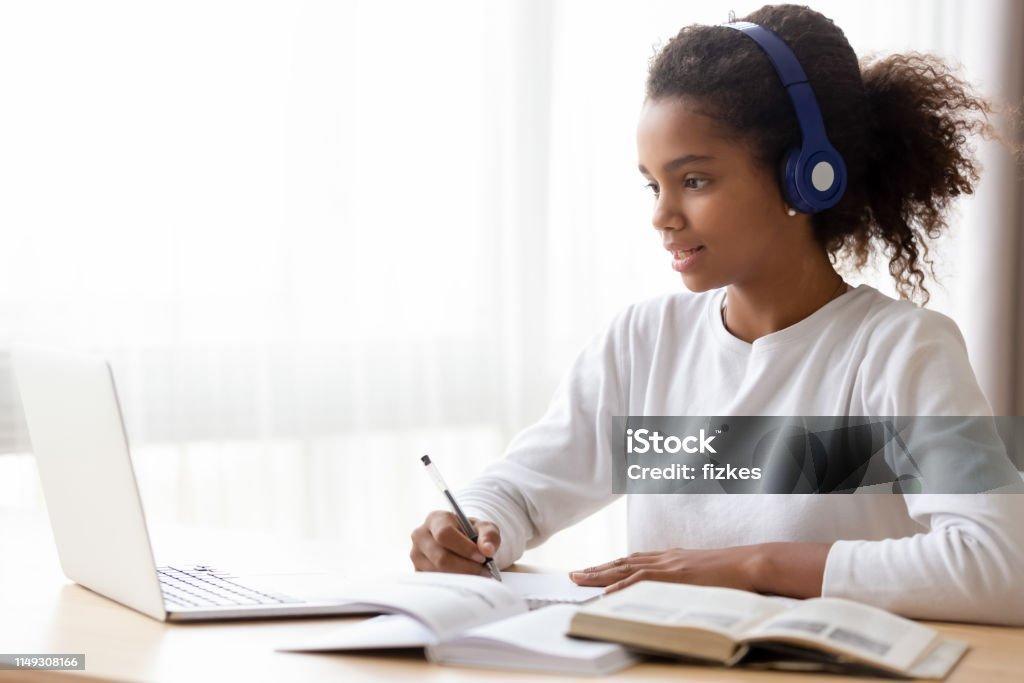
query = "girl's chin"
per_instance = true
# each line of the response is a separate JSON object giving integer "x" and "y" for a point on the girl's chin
{"x": 699, "y": 284}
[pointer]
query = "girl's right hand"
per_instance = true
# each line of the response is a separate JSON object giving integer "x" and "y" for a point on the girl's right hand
{"x": 439, "y": 545}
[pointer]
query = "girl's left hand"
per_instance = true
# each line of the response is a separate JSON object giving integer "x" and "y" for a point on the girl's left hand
{"x": 734, "y": 567}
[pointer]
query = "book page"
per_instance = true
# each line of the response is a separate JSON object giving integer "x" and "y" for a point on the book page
{"x": 861, "y": 631}
{"x": 940, "y": 659}
{"x": 721, "y": 610}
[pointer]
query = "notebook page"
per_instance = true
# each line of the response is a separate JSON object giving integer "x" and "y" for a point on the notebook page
{"x": 389, "y": 631}
{"x": 428, "y": 607}
{"x": 545, "y": 589}
{"x": 535, "y": 641}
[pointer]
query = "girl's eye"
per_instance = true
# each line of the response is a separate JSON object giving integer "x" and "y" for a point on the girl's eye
{"x": 689, "y": 183}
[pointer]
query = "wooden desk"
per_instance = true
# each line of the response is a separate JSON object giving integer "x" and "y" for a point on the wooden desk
{"x": 41, "y": 612}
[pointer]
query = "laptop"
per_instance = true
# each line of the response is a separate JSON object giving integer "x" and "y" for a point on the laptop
{"x": 81, "y": 448}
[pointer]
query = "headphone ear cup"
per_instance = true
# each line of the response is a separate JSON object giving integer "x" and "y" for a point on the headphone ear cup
{"x": 790, "y": 181}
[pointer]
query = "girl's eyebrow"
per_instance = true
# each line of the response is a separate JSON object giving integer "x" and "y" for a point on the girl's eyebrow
{"x": 677, "y": 162}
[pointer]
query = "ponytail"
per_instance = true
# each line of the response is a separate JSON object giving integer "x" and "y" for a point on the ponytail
{"x": 920, "y": 119}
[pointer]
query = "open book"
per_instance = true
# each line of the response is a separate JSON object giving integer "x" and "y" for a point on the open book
{"x": 736, "y": 627}
{"x": 476, "y": 621}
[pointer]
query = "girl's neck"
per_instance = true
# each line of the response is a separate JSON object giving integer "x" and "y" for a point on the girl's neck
{"x": 753, "y": 311}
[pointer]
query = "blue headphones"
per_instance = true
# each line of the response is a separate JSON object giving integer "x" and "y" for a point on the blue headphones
{"x": 813, "y": 176}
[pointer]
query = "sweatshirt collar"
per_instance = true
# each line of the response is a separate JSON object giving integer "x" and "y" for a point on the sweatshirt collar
{"x": 809, "y": 328}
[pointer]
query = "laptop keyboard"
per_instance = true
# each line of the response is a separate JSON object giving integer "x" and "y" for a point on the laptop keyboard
{"x": 203, "y": 586}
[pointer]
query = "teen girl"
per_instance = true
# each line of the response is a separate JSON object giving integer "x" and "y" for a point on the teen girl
{"x": 768, "y": 327}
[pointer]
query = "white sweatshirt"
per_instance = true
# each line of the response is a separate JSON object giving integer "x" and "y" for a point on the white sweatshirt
{"x": 956, "y": 557}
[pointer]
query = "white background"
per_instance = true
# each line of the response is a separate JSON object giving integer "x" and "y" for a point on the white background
{"x": 320, "y": 239}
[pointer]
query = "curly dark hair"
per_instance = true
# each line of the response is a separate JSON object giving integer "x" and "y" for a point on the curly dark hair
{"x": 904, "y": 111}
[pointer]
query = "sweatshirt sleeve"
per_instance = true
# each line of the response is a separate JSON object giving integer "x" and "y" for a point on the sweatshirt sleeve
{"x": 965, "y": 563}
{"x": 559, "y": 470}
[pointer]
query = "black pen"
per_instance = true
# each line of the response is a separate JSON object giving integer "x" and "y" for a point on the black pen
{"x": 467, "y": 528}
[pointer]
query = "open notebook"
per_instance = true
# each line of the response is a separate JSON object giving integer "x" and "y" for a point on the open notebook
{"x": 475, "y": 621}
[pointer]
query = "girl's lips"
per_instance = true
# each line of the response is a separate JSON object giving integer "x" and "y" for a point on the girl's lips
{"x": 684, "y": 260}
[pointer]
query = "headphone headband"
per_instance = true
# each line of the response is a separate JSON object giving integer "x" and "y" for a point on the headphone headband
{"x": 775, "y": 47}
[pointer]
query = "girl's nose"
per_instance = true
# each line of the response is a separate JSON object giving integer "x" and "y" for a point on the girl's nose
{"x": 665, "y": 216}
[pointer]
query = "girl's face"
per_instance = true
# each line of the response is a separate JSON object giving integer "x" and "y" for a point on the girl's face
{"x": 718, "y": 211}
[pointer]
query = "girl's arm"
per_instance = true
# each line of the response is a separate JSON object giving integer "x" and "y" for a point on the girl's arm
{"x": 966, "y": 563}
{"x": 559, "y": 470}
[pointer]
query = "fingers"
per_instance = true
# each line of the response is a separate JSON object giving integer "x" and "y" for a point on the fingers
{"x": 439, "y": 545}
{"x": 603, "y": 577}
{"x": 617, "y": 570}
{"x": 488, "y": 537}
{"x": 636, "y": 559}
{"x": 447, "y": 532}
{"x": 641, "y": 575}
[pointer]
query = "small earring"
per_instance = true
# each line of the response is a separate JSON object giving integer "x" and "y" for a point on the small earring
{"x": 790, "y": 210}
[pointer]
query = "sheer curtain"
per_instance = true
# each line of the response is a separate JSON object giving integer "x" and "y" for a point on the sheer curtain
{"x": 320, "y": 239}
